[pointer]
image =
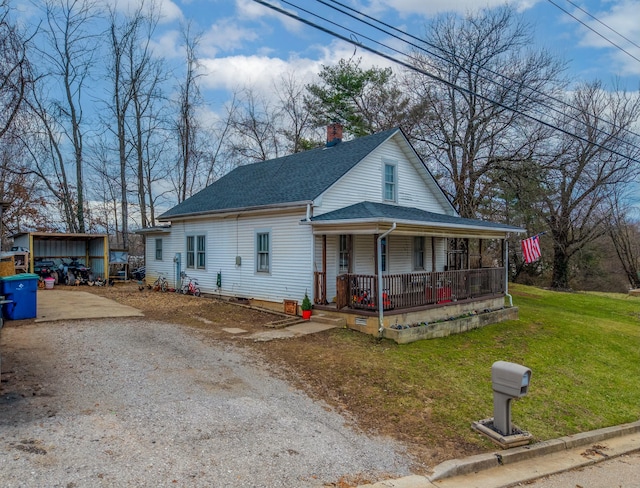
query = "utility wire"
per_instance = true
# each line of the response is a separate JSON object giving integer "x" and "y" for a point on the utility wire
{"x": 450, "y": 61}
{"x": 595, "y": 31}
{"x": 431, "y": 75}
{"x": 602, "y": 23}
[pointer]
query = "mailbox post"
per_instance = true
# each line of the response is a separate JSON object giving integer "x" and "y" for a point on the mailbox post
{"x": 508, "y": 381}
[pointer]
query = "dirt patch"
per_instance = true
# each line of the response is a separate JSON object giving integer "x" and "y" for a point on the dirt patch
{"x": 327, "y": 366}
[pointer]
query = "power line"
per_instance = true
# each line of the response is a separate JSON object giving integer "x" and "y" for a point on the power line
{"x": 594, "y": 31}
{"x": 450, "y": 61}
{"x": 433, "y": 76}
{"x": 602, "y": 23}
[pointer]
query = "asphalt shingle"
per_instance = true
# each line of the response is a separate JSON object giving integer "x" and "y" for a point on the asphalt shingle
{"x": 298, "y": 177}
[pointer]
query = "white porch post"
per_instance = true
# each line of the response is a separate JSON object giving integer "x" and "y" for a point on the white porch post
{"x": 380, "y": 299}
{"x": 505, "y": 261}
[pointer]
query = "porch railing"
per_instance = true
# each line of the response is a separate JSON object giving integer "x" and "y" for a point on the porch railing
{"x": 411, "y": 290}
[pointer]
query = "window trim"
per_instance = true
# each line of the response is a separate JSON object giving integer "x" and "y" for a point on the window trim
{"x": 201, "y": 253}
{"x": 194, "y": 254}
{"x": 259, "y": 252}
{"x": 394, "y": 183}
{"x": 190, "y": 254}
{"x": 158, "y": 248}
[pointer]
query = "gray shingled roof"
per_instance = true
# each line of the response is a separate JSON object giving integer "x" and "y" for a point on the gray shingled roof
{"x": 368, "y": 211}
{"x": 299, "y": 177}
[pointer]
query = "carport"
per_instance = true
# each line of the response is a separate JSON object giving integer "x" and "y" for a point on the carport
{"x": 92, "y": 248}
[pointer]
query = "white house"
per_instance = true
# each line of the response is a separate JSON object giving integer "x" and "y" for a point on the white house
{"x": 313, "y": 221}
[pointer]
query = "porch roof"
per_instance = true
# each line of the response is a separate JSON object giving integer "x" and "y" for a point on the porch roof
{"x": 368, "y": 217}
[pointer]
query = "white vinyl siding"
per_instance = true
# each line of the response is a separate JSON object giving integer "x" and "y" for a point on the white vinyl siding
{"x": 364, "y": 182}
{"x": 230, "y": 238}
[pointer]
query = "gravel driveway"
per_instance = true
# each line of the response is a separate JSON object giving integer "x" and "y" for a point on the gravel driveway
{"x": 131, "y": 402}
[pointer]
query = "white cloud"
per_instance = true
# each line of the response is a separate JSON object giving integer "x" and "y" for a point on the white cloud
{"x": 433, "y": 7}
{"x": 167, "y": 45}
{"x": 262, "y": 71}
{"x": 225, "y": 35}
{"x": 168, "y": 10}
{"x": 234, "y": 72}
{"x": 623, "y": 19}
{"x": 250, "y": 10}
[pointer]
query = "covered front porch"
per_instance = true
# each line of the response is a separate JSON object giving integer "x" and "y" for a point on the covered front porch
{"x": 419, "y": 271}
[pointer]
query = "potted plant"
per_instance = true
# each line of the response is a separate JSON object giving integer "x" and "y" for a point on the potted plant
{"x": 306, "y": 307}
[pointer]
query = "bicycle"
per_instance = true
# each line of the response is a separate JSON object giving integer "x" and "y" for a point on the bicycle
{"x": 190, "y": 287}
{"x": 161, "y": 283}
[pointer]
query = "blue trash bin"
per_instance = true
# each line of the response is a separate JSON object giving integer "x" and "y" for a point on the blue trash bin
{"x": 22, "y": 290}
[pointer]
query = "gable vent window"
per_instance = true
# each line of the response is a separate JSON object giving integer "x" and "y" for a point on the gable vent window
{"x": 390, "y": 183}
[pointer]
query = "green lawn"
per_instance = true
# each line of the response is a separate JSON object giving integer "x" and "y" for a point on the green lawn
{"x": 583, "y": 350}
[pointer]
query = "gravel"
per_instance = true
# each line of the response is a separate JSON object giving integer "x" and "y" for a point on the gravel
{"x": 131, "y": 402}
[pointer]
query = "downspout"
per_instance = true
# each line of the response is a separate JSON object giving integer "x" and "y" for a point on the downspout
{"x": 380, "y": 299}
{"x": 506, "y": 271}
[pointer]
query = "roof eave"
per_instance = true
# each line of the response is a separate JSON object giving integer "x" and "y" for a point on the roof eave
{"x": 222, "y": 212}
{"x": 419, "y": 223}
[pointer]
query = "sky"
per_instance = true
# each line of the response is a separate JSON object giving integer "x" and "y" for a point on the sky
{"x": 244, "y": 42}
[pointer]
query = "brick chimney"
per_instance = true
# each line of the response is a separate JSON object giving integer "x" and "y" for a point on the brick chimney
{"x": 334, "y": 134}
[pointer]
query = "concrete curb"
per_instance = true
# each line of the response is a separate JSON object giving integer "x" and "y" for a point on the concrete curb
{"x": 481, "y": 462}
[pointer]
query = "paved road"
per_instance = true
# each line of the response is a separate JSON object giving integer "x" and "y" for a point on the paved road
{"x": 620, "y": 472}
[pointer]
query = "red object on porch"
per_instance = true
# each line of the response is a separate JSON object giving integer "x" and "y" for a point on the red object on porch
{"x": 306, "y": 314}
{"x": 444, "y": 294}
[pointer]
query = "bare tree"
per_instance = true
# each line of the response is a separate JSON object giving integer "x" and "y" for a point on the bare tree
{"x": 583, "y": 169}
{"x": 15, "y": 70}
{"x": 66, "y": 61}
{"x": 624, "y": 232}
{"x": 121, "y": 36}
{"x": 296, "y": 121}
{"x": 254, "y": 127}
{"x": 187, "y": 125}
{"x": 475, "y": 122}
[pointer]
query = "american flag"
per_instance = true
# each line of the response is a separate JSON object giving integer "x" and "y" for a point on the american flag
{"x": 531, "y": 249}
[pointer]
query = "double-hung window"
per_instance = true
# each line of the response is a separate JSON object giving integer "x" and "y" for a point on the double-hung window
{"x": 201, "y": 256}
{"x": 158, "y": 249}
{"x": 390, "y": 184}
{"x": 263, "y": 252}
{"x": 196, "y": 252}
{"x": 191, "y": 252}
